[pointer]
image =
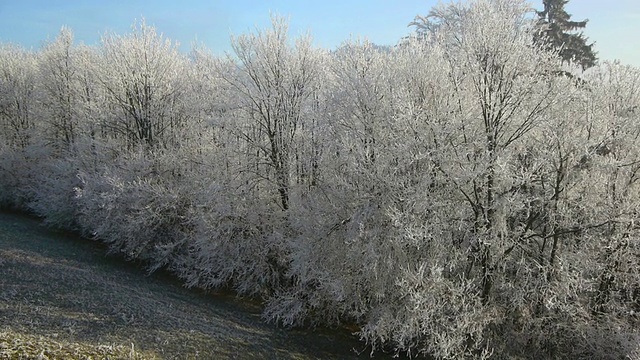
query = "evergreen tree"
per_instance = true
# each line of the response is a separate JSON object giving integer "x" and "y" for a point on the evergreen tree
{"x": 560, "y": 32}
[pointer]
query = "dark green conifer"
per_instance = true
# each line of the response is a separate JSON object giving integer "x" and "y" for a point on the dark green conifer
{"x": 562, "y": 33}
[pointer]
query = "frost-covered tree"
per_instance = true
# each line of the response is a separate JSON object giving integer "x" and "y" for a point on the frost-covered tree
{"x": 423, "y": 253}
{"x": 612, "y": 164}
{"x": 143, "y": 76}
{"x": 57, "y": 75}
{"x": 362, "y": 98}
{"x": 502, "y": 92}
{"x": 17, "y": 95}
{"x": 273, "y": 80}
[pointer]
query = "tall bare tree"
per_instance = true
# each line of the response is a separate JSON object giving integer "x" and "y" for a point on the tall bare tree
{"x": 143, "y": 77}
{"x": 273, "y": 80}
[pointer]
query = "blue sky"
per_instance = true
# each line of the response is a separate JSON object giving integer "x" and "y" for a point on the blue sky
{"x": 614, "y": 25}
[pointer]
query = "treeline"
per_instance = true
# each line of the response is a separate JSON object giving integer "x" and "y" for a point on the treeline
{"x": 463, "y": 194}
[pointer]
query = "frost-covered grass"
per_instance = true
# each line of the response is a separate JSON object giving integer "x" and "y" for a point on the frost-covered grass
{"x": 61, "y": 298}
{"x": 25, "y": 346}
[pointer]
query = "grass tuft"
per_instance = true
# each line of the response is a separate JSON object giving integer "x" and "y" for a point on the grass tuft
{"x": 14, "y": 345}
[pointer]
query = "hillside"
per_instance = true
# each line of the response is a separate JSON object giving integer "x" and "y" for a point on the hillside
{"x": 61, "y": 297}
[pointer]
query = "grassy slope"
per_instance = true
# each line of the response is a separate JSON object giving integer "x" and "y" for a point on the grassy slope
{"x": 62, "y": 298}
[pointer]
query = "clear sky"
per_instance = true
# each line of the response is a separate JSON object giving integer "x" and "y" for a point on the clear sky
{"x": 614, "y": 24}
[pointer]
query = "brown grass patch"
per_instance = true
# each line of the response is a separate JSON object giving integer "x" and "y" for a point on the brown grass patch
{"x": 24, "y": 346}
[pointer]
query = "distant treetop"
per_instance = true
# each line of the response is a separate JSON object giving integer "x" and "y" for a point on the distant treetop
{"x": 562, "y": 33}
